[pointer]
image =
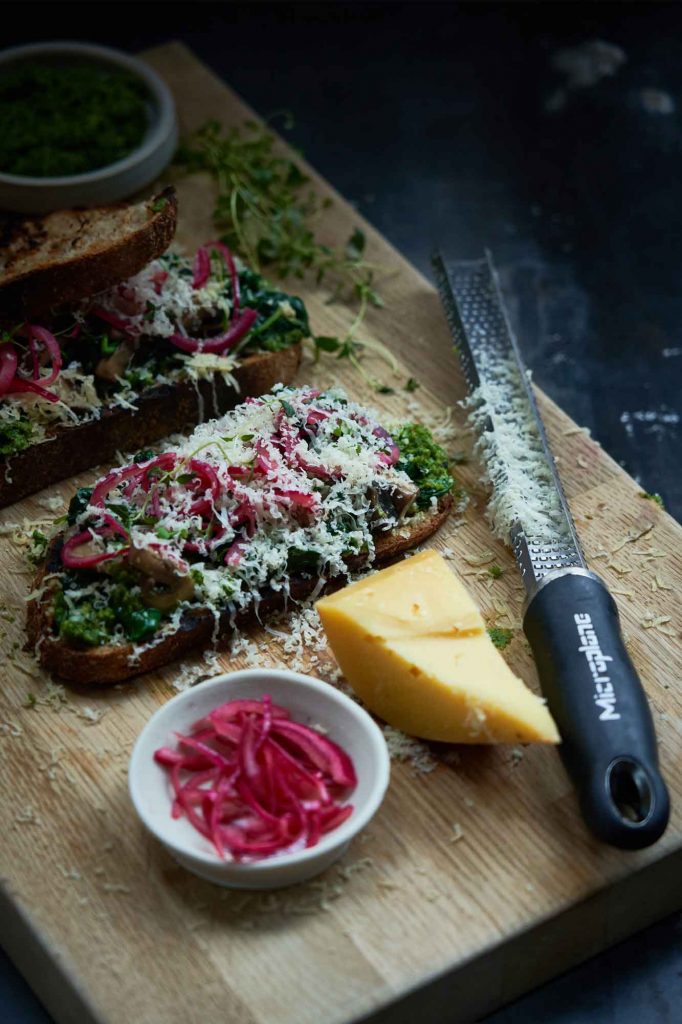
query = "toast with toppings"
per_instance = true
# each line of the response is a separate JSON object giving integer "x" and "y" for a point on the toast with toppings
{"x": 279, "y": 501}
{"x": 111, "y": 342}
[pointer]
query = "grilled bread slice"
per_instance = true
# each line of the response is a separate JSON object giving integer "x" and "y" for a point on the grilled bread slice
{"x": 57, "y": 260}
{"x": 54, "y": 265}
{"x": 160, "y": 411}
{"x": 98, "y": 666}
{"x": 281, "y": 497}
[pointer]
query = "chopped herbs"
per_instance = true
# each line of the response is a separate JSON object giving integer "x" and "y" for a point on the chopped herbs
{"x": 424, "y": 461}
{"x": 412, "y": 384}
{"x": 67, "y": 119}
{"x": 78, "y": 504}
{"x": 37, "y": 547}
{"x": 500, "y": 637}
{"x": 495, "y": 571}
{"x": 653, "y": 497}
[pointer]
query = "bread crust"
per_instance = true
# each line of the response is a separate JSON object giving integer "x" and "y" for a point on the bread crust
{"x": 79, "y": 272}
{"x": 161, "y": 411}
{"x": 96, "y": 666}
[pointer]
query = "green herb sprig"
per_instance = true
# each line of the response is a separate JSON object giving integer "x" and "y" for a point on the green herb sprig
{"x": 268, "y": 214}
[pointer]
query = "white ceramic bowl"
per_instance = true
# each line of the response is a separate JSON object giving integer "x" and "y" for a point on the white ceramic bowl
{"x": 23, "y": 194}
{"x": 311, "y": 702}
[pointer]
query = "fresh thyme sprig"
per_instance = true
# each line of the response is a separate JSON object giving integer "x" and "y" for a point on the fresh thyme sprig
{"x": 267, "y": 213}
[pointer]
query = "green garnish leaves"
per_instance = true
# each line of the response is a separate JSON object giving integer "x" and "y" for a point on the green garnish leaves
{"x": 144, "y": 456}
{"x": 355, "y": 246}
{"x": 412, "y": 384}
{"x": 78, "y": 504}
{"x": 424, "y": 461}
{"x": 653, "y": 497}
{"x": 495, "y": 571}
{"x": 37, "y": 547}
{"x": 159, "y": 204}
{"x": 325, "y": 343}
{"x": 500, "y": 637}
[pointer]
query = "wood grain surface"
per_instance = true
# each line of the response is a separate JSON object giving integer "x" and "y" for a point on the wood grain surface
{"x": 476, "y": 880}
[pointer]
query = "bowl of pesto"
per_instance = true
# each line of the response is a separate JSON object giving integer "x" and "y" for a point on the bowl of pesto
{"x": 80, "y": 125}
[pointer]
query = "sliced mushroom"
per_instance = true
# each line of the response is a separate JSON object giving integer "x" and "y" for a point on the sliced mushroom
{"x": 167, "y": 599}
{"x": 115, "y": 365}
{"x": 161, "y": 571}
{"x": 392, "y": 499}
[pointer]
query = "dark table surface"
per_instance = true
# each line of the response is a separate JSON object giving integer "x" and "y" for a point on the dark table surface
{"x": 454, "y": 123}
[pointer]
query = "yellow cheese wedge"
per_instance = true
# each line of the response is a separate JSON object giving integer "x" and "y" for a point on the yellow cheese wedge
{"x": 413, "y": 645}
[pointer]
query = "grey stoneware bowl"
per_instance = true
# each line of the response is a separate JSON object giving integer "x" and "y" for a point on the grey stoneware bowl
{"x": 23, "y": 194}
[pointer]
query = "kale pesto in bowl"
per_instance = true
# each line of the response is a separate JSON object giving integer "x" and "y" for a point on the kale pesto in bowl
{"x": 80, "y": 125}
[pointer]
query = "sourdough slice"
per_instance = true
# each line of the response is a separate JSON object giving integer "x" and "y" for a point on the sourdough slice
{"x": 162, "y": 410}
{"x": 57, "y": 260}
{"x": 114, "y": 663}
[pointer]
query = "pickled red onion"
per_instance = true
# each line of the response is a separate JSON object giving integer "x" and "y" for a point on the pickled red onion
{"x": 257, "y": 783}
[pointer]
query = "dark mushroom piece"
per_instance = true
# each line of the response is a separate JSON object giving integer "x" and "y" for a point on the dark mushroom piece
{"x": 165, "y": 572}
{"x": 115, "y": 365}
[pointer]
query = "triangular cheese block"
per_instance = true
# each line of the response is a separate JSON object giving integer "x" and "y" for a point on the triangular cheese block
{"x": 413, "y": 645}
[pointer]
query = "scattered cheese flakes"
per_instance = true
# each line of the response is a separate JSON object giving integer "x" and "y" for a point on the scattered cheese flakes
{"x": 481, "y": 559}
{"x": 621, "y": 593}
{"x": 632, "y": 536}
{"x": 582, "y": 462}
{"x": 649, "y": 553}
{"x": 571, "y": 431}
{"x": 10, "y": 729}
{"x": 407, "y": 749}
{"x": 71, "y": 873}
{"x": 115, "y": 887}
{"x": 621, "y": 570}
{"x": 457, "y": 833}
{"x": 53, "y": 503}
{"x": 653, "y": 621}
{"x": 517, "y": 755}
{"x": 27, "y": 817}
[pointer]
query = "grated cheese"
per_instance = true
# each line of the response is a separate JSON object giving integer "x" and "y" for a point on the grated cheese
{"x": 515, "y": 461}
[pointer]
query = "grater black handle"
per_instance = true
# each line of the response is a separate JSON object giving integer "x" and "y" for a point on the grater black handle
{"x": 596, "y": 698}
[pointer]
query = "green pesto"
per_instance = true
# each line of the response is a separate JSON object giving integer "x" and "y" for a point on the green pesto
{"x": 15, "y": 436}
{"x": 68, "y": 119}
{"x": 87, "y": 623}
{"x": 424, "y": 461}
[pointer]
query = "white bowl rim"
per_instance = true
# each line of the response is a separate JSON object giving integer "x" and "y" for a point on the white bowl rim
{"x": 337, "y": 837}
{"x": 160, "y": 127}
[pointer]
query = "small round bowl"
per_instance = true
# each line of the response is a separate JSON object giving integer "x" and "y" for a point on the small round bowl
{"x": 24, "y": 194}
{"x": 311, "y": 702}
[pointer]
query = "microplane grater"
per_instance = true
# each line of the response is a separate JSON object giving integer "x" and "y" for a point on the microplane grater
{"x": 471, "y": 295}
{"x": 608, "y": 741}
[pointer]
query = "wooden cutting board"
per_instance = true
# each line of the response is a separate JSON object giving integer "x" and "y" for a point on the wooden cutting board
{"x": 477, "y": 879}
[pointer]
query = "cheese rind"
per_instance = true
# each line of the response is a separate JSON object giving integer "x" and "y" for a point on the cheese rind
{"x": 413, "y": 645}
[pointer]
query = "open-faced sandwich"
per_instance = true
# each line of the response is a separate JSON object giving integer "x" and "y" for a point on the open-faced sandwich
{"x": 275, "y": 502}
{"x": 110, "y": 342}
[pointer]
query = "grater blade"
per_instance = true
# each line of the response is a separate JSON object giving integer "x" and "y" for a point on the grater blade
{"x": 528, "y": 507}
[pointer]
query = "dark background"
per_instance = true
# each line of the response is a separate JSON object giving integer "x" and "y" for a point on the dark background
{"x": 432, "y": 119}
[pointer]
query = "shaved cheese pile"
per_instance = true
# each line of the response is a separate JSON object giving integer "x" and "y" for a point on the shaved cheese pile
{"x": 162, "y": 298}
{"x": 524, "y": 488}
